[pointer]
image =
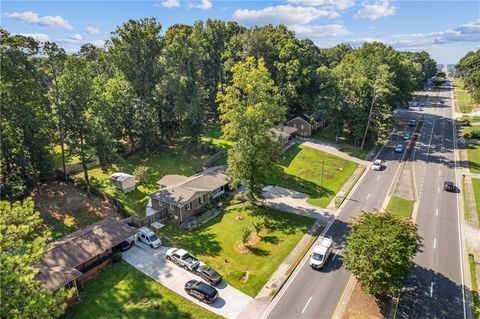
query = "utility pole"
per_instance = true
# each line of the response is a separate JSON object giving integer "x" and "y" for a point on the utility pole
{"x": 321, "y": 181}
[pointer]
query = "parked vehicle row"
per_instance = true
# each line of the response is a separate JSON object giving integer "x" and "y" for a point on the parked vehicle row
{"x": 197, "y": 289}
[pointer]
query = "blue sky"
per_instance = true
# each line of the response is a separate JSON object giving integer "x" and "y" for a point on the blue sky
{"x": 446, "y": 29}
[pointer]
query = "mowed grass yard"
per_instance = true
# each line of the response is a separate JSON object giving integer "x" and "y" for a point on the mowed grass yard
{"x": 119, "y": 292}
{"x": 344, "y": 143}
{"x": 473, "y": 152}
{"x": 174, "y": 160}
{"x": 400, "y": 207}
{"x": 302, "y": 171}
{"x": 218, "y": 243}
{"x": 464, "y": 101}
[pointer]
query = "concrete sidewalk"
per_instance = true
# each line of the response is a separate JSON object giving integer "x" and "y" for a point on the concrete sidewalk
{"x": 329, "y": 148}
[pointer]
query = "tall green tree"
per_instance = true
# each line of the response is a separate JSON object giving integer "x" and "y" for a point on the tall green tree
{"x": 469, "y": 69}
{"x": 181, "y": 94}
{"x": 26, "y": 124}
{"x": 380, "y": 252}
{"x": 134, "y": 49}
{"x": 75, "y": 89}
{"x": 22, "y": 246}
{"x": 249, "y": 108}
{"x": 55, "y": 59}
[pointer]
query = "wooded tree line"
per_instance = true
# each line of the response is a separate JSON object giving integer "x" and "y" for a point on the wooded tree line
{"x": 149, "y": 88}
{"x": 468, "y": 68}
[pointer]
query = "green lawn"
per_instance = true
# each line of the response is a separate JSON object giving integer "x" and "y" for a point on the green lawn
{"x": 476, "y": 191}
{"x": 473, "y": 152}
{"x": 119, "y": 293}
{"x": 400, "y": 207}
{"x": 218, "y": 243}
{"x": 69, "y": 159}
{"x": 172, "y": 160}
{"x": 475, "y": 293}
{"x": 345, "y": 143}
{"x": 462, "y": 96}
{"x": 302, "y": 171}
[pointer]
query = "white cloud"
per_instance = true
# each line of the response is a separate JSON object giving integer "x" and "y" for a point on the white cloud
{"x": 31, "y": 17}
{"x": 283, "y": 14}
{"x": 334, "y": 4}
{"x": 317, "y": 31}
{"x": 375, "y": 10}
{"x": 469, "y": 32}
{"x": 171, "y": 3}
{"x": 97, "y": 43}
{"x": 42, "y": 37}
{"x": 92, "y": 30}
{"x": 73, "y": 39}
{"x": 205, "y": 5}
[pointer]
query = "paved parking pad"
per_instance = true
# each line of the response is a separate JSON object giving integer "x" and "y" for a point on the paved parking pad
{"x": 154, "y": 264}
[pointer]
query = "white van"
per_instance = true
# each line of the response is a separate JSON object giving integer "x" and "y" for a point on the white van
{"x": 321, "y": 252}
{"x": 147, "y": 236}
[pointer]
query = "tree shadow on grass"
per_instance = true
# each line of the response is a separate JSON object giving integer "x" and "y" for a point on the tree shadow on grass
{"x": 284, "y": 222}
{"x": 259, "y": 251}
{"x": 270, "y": 239}
{"x": 304, "y": 186}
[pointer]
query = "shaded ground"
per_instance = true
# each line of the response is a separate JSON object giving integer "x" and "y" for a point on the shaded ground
{"x": 316, "y": 173}
{"x": 121, "y": 291}
{"x": 463, "y": 97}
{"x": 217, "y": 243}
{"x": 364, "y": 306}
{"x": 344, "y": 141}
{"x": 66, "y": 208}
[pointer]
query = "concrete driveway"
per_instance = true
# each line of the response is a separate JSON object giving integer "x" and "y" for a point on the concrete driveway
{"x": 154, "y": 264}
{"x": 294, "y": 202}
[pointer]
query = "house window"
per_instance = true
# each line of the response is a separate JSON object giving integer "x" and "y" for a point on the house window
{"x": 301, "y": 127}
{"x": 189, "y": 206}
{"x": 294, "y": 125}
{"x": 202, "y": 198}
{"x": 171, "y": 207}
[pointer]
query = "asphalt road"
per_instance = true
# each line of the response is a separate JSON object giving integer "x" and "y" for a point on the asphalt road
{"x": 315, "y": 294}
{"x": 435, "y": 288}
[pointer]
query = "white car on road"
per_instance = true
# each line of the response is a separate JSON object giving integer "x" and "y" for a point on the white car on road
{"x": 399, "y": 148}
{"x": 377, "y": 165}
{"x": 321, "y": 252}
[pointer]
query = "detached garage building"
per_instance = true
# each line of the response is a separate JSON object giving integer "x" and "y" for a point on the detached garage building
{"x": 79, "y": 257}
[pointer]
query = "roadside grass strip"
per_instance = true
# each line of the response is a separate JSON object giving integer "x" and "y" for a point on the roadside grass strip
{"x": 476, "y": 192}
{"x": 400, "y": 207}
{"x": 475, "y": 294}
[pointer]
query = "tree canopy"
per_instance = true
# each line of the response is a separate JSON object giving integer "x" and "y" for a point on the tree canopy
{"x": 149, "y": 88}
{"x": 469, "y": 69}
{"x": 380, "y": 252}
{"x": 22, "y": 246}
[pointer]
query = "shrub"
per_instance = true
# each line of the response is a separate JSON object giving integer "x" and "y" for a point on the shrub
{"x": 117, "y": 257}
{"x": 141, "y": 174}
{"x": 258, "y": 227}
{"x": 246, "y": 232}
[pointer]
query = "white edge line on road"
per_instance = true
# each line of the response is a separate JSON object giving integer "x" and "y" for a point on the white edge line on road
{"x": 306, "y": 305}
{"x": 436, "y": 212}
{"x": 368, "y": 196}
{"x": 460, "y": 244}
{"x": 434, "y": 243}
{"x": 431, "y": 289}
{"x": 438, "y": 190}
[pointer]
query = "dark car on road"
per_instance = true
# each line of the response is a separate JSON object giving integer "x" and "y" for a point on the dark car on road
{"x": 201, "y": 291}
{"x": 449, "y": 186}
{"x": 209, "y": 275}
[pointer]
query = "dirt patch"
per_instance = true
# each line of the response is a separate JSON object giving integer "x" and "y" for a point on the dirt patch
{"x": 66, "y": 208}
{"x": 252, "y": 242}
{"x": 364, "y": 306}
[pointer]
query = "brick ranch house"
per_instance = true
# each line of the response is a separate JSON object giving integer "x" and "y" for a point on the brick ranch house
{"x": 306, "y": 125}
{"x": 79, "y": 256}
{"x": 182, "y": 197}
